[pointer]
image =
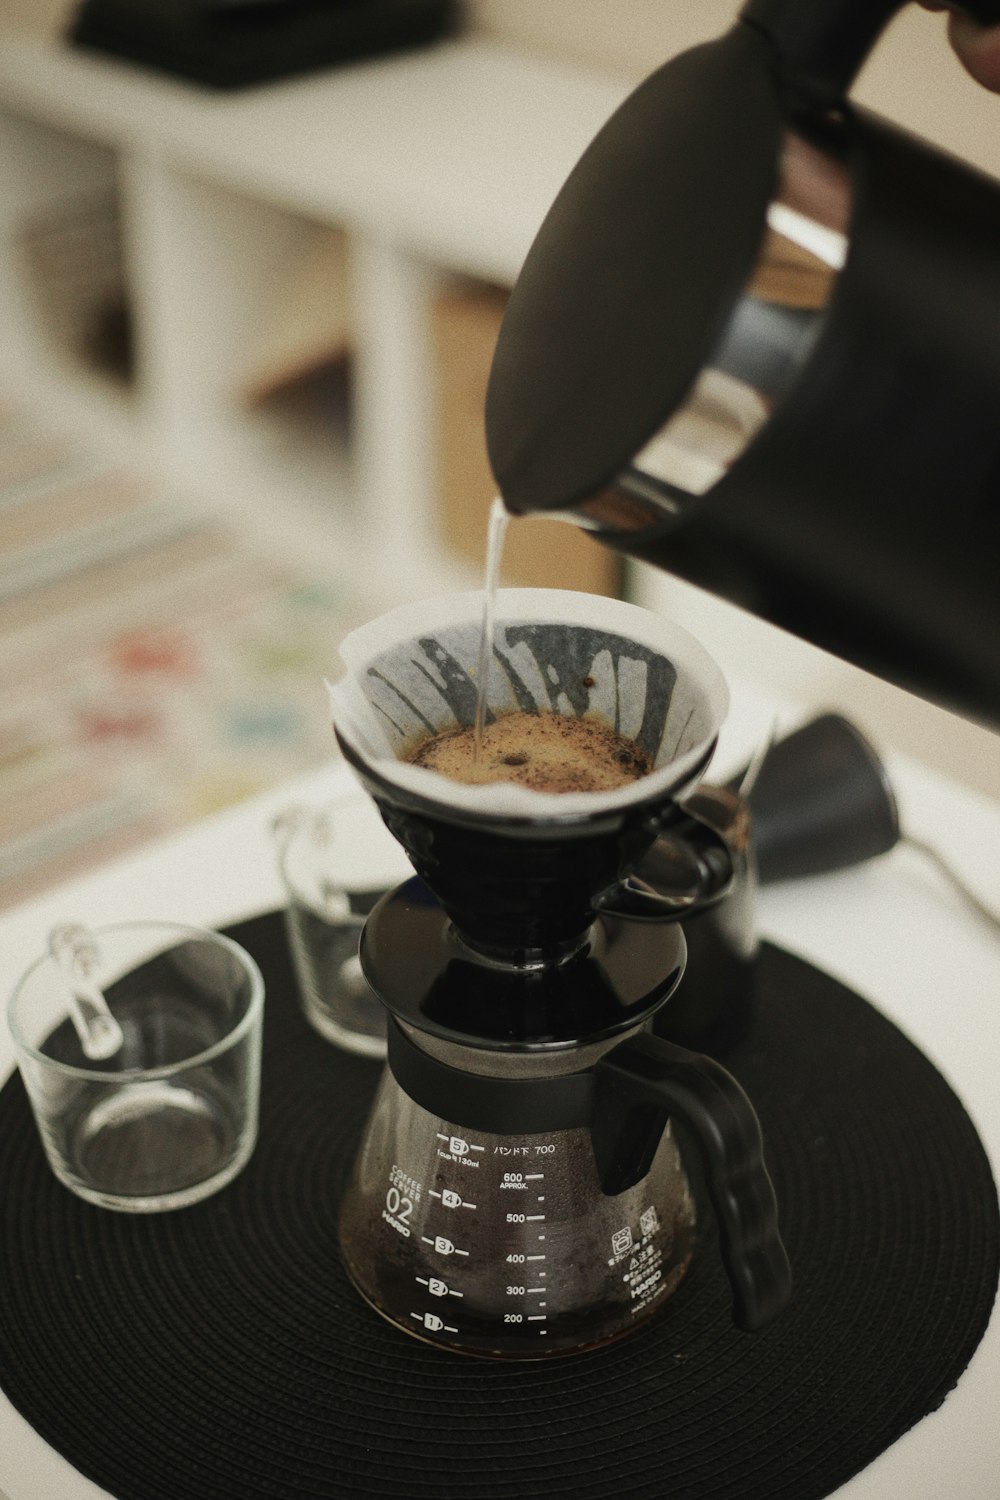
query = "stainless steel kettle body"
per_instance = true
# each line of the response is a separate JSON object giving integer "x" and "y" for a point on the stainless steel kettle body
{"x": 757, "y": 342}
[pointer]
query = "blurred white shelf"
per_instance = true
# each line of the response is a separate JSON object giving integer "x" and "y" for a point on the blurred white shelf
{"x": 436, "y": 162}
{"x": 454, "y": 151}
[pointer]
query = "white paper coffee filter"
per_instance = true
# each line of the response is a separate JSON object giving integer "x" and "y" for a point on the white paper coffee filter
{"x": 414, "y": 672}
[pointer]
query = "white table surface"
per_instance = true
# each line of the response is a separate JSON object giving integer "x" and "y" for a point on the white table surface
{"x": 893, "y": 930}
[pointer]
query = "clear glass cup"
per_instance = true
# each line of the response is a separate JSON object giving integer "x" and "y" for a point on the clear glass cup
{"x": 336, "y": 859}
{"x": 165, "y": 1112}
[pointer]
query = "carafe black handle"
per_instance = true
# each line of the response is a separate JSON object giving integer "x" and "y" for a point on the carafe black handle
{"x": 687, "y": 869}
{"x": 638, "y": 1086}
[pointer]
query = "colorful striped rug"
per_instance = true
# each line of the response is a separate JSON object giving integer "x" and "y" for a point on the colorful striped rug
{"x": 154, "y": 663}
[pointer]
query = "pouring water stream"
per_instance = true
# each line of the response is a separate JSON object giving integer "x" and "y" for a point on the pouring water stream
{"x": 498, "y": 520}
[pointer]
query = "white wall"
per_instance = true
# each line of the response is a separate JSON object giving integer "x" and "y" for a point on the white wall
{"x": 912, "y": 76}
{"x": 45, "y": 16}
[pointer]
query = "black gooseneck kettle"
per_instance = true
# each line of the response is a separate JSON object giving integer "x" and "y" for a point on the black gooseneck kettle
{"x": 757, "y": 342}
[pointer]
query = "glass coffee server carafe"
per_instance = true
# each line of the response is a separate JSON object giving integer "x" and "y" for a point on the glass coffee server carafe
{"x": 519, "y": 1190}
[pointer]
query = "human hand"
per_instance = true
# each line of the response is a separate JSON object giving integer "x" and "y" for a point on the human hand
{"x": 978, "y": 47}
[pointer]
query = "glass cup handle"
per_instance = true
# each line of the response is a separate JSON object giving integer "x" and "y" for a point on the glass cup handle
{"x": 76, "y": 951}
{"x": 641, "y": 1083}
{"x": 286, "y": 823}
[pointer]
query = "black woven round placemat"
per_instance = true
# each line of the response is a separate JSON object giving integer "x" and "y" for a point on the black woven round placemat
{"x": 220, "y": 1351}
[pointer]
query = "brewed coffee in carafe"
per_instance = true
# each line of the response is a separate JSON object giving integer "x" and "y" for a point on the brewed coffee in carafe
{"x": 519, "y": 1190}
{"x": 504, "y": 1242}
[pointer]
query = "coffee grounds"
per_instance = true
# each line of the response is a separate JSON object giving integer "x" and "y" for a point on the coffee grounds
{"x": 548, "y": 752}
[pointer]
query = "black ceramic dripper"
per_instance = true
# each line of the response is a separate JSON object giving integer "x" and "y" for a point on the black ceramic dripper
{"x": 523, "y": 874}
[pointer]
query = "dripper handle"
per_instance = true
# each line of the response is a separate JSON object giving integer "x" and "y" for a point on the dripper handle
{"x": 686, "y": 870}
{"x": 638, "y": 1085}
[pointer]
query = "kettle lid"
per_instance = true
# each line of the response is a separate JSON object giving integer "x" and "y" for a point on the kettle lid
{"x": 634, "y": 272}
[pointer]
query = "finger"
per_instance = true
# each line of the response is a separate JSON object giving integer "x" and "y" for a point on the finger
{"x": 978, "y": 47}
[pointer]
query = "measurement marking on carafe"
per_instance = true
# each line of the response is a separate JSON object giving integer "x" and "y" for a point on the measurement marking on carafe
{"x": 451, "y": 1199}
{"x": 456, "y": 1145}
{"x": 433, "y": 1323}
{"x": 534, "y": 1218}
{"x": 438, "y": 1288}
{"x": 441, "y": 1245}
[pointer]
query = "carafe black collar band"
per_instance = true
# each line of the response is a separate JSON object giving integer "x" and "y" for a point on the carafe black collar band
{"x": 500, "y": 1106}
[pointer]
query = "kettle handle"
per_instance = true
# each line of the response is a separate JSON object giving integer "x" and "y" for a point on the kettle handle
{"x": 822, "y": 44}
{"x": 637, "y": 1085}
